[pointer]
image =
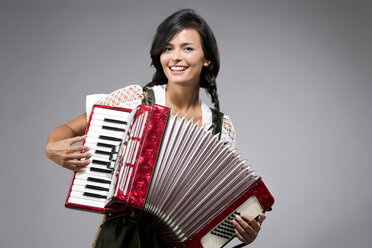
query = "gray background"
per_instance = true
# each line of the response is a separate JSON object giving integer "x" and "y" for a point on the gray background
{"x": 295, "y": 79}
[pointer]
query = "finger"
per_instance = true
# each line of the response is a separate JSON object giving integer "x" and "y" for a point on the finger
{"x": 246, "y": 225}
{"x": 252, "y": 223}
{"x": 73, "y": 168}
{"x": 261, "y": 218}
{"x": 79, "y": 148}
{"x": 78, "y": 163}
{"x": 78, "y": 156}
{"x": 240, "y": 237}
{"x": 76, "y": 139}
{"x": 247, "y": 235}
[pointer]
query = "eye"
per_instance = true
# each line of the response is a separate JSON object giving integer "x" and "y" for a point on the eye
{"x": 167, "y": 49}
{"x": 189, "y": 49}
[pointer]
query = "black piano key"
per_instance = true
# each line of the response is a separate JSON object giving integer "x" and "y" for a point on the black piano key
{"x": 88, "y": 186}
{"x": 94, "y": 195}
{"x": 100, "y": 170}
{"x": 95, "y": 161}
{"x": 106, "y": 145}
{"x": 98, "y": 180}
{"x": 114, "y": 121}
{"x": 103, "y": 152}
{"x": 105, "y": 137}
{"x": 113, "y": 128}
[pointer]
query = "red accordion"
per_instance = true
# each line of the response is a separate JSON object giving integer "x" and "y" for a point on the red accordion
{"x": 181, "y": 179}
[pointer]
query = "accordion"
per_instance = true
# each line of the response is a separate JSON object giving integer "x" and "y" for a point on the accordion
{"x": 178, "y": 177}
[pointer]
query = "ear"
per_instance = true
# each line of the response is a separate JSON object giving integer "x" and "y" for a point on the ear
{"x": 206, "y": 63}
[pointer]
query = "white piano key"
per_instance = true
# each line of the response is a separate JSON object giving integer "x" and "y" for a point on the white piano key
{"x": 98, "y": 156}
{"x": 95, "y": 140}
{"x": 97, "y": 165}
{"x": 103, "y": 115}
{"x": 83, "y": 189}
{"x": 90, "y": 173}
{"x": 94, "y": 147}
{"x": 118, "y": 134}
{"x": 85, "y": 176}
{"x": 111, "y": 112}
{"x": 87, "y": 202}
{"x": 100, "y": 123}
{"x": 104, "y": 137}
{"x": 82, "y": 196}
{"x": 98, "y": 135}
{"x": 81, "y": 182}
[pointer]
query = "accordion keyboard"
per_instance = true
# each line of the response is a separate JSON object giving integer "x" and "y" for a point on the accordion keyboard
{"x": 105, "y": 132}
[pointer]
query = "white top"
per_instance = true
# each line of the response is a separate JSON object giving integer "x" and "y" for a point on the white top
{"x": 131, "y": 96}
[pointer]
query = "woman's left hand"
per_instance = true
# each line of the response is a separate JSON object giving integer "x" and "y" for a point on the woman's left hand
{"x": 248, "y": 229}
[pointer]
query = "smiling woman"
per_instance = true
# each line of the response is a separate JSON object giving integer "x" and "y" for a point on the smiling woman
{"x": 182, "y": 61}
{"x": 185, "y": 55}
{"x": 183, "y": 58}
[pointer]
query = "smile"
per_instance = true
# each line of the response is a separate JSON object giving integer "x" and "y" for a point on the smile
{"x": 178, "y": 68}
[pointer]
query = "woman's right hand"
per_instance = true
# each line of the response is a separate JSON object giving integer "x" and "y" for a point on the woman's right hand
{"x": 63, "y": 152}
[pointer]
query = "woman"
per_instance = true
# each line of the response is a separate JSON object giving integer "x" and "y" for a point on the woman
{"x": 185, "y": 55}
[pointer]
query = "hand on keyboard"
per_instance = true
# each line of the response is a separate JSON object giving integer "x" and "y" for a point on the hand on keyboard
{"x": 68, "y": 156}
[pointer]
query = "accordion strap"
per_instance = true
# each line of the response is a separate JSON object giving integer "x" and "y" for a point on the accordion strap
{"x": 149, "y": 99}
{"x": 148, "y": 95}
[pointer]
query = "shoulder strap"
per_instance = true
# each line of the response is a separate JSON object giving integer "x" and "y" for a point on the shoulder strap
{"x": 217, "y": 126}
{"x": 148, "y": 95}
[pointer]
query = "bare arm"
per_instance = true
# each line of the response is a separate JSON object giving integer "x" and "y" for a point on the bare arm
{"x": 59, "y": 147}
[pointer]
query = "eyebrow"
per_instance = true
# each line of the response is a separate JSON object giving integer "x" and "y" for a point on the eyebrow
{"x": 183, "y": 44}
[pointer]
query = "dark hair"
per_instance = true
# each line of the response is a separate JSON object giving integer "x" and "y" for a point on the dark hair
{"x": 182, "y": 19}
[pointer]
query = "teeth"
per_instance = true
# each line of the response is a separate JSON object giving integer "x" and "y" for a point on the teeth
{"x": 178, "y": 68}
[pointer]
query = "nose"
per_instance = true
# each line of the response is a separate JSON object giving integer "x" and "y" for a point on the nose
{"x": 176, "y": 55}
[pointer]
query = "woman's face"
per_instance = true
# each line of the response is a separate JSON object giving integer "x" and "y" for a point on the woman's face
{"x": 183, "y": 58}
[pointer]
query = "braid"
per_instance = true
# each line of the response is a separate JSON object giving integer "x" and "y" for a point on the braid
{"x": 212, "y": 90}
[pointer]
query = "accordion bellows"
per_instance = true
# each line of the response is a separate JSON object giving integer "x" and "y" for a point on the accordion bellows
{"x": 179, "y": 178}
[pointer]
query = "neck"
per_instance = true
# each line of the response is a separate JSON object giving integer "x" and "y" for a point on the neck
{"x": 182, "y": 99}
